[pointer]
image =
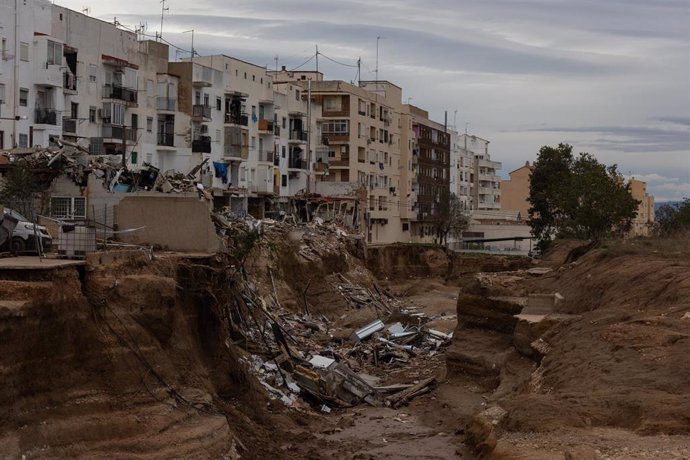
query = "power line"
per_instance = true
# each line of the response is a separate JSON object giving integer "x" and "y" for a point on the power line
{"x": 338, "y": 62}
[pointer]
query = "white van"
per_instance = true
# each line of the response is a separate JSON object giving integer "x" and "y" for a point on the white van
{"x": 25, "y": 234}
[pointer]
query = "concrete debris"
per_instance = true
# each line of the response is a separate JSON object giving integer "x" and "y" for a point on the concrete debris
{"x": 367, "y": 331}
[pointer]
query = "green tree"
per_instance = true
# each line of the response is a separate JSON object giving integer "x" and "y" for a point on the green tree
{"x": 673, "y": 218}
{"x": 577, "y": 197}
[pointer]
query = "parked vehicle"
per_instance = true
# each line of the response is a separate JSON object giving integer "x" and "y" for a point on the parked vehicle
{"x": 26, "y": 234}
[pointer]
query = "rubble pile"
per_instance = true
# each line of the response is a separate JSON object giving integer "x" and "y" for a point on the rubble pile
{"x": 308, "y": 358}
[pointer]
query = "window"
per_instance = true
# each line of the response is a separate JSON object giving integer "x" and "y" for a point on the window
{"x": 68, "y": 207}
{"x": 284, "y": 122}
{"x": 283, "y": 151}
{"x": 219, "y": 104}
{"x": 74, "y": 111}
{"x": 23, "y": 140}
{"x": 135, "y": 121}
{"x": 405, "y": 227}
{"x": 134, "y": 157}
{"x": 338, "y": 127}
{"x": 24, "y": 51}
{"x": 23, "y": 97}
{"x": 150, "y": 88}
{"x": 297, "y": 94}
{"x": 92, "y": 114}
{"x": 207, "y": 101}
{"x": 332, "y": 103}
{"x": 252, "y": 144}
{"x": 245, "y": 75}
{"x": 54, "y": 56}
{"x": 253, "y": 77}
{"x": 283, "y": 180}
{"x": 2, "y": 93}
{"x": 92, "y": 73}
{"x": 149, "y": 124}
{"x": 149, "y": 158}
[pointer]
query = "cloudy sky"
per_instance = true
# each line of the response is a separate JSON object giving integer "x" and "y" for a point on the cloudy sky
{"x": 611, "y": 77}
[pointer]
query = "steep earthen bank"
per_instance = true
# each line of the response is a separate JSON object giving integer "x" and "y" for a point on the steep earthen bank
{"x": 611, "y": 356}
{"x": 126, "y": 358}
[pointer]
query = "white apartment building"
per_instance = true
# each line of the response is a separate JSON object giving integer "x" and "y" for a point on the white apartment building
{"x": 461, "y": 170}
{"x": 485, "y": 183}
{"x": 69, "y": 75}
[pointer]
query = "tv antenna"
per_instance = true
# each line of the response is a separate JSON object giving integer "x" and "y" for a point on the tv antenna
{"x": 376, "y": 71}
{"x": 163, "y": 10}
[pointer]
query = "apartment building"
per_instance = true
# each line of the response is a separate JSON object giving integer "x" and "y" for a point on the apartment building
{"x": 644, "y": 220}
{"x": 461, "y": 170}
{"x": 88, "y": 81}
{"x": 355, "y": 149}
{"x": 486, "y": 191}
{"x": 430, "y": 176}
{"x": 515, "y": 191}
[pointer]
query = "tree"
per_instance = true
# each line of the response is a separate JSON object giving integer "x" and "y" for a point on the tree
{"x": 450, "y": 218}
{"x": 673, "y": 218}
{"x": 19, "y": 189}
{"x": 577, "y": 197}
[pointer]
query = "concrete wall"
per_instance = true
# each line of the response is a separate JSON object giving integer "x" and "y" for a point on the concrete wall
{"x": 174, "y": 222}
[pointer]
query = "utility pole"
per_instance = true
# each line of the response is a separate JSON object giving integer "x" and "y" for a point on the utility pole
{"x": 309, "y": 172}
{"x": 359, "y": 71}
{"x": 15, "y": 82}
{"x": 317, "y": 58}
{"x": 376, "y": 71}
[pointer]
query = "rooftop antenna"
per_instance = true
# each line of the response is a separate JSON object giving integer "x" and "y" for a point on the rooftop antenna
{"x": 193, "y": 52}
{"x": 317, "y": 58}
{"x": 86, "y": 10}
{"x": 275, "y": 58}
{"x": 163, "y": 10}
{"x": 466, "y": 125}
{"x": 455, "y": 116}
{"x": 376, "y": 71}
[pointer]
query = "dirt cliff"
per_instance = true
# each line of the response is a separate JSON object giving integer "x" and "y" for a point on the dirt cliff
{"x": 606, "y": 368}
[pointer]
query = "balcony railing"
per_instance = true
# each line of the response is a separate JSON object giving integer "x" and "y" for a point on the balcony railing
{"x": 166, "y": 139}
{"x": 266, "y": 157}
{"x": 69, "y": 125}
{"x": 201, "y": 111}
{"x": 297, "y": 135}
{"x": 69, "y": 81}
{"x": 297, "y": 163}
{"x": 237, "y": 119}
{"x": 201, "y": 145}
{"x": 166, "y": 103}
{"x": 265, "y": 125}
{"x": 120, "y": 92}
{"x": 46, "y": 117}
{"x": 236, "y": 151}
{"x": 119, "y": 132}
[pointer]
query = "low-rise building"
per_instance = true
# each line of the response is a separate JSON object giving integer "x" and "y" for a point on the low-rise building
{"x": 643, "y": 222}
{"x": 515, "y": 191}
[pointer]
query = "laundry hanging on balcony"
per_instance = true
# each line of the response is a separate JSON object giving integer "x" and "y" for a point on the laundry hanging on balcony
{"x": 221, "y": 170}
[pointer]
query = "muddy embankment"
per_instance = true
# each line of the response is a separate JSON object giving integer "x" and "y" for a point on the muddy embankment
{"x": 421, "y": 261}
{"x": 604, "y": 368}
{"x": 126, "y": 358}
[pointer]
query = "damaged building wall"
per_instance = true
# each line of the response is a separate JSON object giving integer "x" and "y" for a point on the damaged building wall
{"x": 174, "y": 222}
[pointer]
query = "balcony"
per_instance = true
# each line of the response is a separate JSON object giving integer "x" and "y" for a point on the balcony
{"x": 239, "y": 119}
{"x": 46, "y": 117}
{"x": 344, "y": 162}
{"x": 298, "y": 136}
{"x": 237, "y": 152}
{"x": 165, "y": 104}
{"x": 201, "y": 145}
{"x": 335, "y": 138}
{"x": 266, "y": 157}
{"x": 49, "y": 75}
{"x": 202, "y": 75}
{"x": 113, "y": 134}
{"x": 265, "y": 127}
{"x": 120, "y": 93}
{"x": 297, "y": 162}
{"x": 69, "y": 82}
{"x": 201, "y": 112}
{"x": 166, "y": 139}
{"x": 69, "y": 126}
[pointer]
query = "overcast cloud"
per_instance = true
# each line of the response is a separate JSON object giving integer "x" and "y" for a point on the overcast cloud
{"x": 609, "y": 77}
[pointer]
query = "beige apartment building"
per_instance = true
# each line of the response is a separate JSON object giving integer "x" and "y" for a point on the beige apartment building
{"x": 354, "y": 147}
{"x": 515, "y": 191}
{"x": 644, "y": 221}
